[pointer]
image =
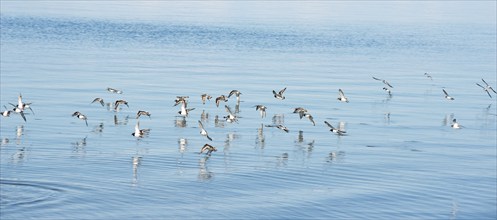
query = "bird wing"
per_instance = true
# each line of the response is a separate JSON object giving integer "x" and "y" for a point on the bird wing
{"x": 282, "y": 91}
{"x": 447, "y": 94}
{"x": 341, "y": 93}
{"x": 377, "y": 78}
{"x": 480, "y": 86}
{"x": 329, "y": 125}
{"x": 200, "y": 125}
{"x": 484, "y": 82}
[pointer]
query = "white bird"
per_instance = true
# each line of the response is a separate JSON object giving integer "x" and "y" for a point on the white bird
{"x": 342, "y": 97}
{"x": 139, "y": 132}
{"x": 81, "y": 116}
{"x": 117, "y": 91}
{"x": 203, "y": 132}
{"x": 455, "y": 124}
{"x": 230, "y": 117}
{"x": 261, "y": 109}
{"x": 487, "y": 88}
{"x": 279, "y": 95}
{"x": 335, "y": 130}
{"x": 447, "y": 95}
{"x": 184, "y": 111}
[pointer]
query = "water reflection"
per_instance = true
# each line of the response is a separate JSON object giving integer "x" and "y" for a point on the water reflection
{"x": 79, "y": 147}
{"x": 180, "y": 122}
{"x": 5, "y": 141}
{"x": 306, "y": 147}
{"x": 278, "y": 119}
{"x": 282, "y": 160}
{"x": 182, "y": 145}
{"x": 19, "y": 133}
{"x": 218, "y": 123}
{"x": 203, "y": 173}
{"x": 118, "y": 122}
{"x": 260, "y": 139}
{"x": 19, "y": 155}
{"x": 98, "y": 129}
{"x": 204, "y": 117}
{"x": 335, "y": 157}
{"x": 387, "y": 118}
{"x": 136, "y": 161}
{"x": 447, "y": 119}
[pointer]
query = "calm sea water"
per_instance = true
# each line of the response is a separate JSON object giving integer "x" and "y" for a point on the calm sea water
{"x": 400, "y": 158}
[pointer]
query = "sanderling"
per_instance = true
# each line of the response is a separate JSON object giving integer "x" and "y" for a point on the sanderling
{"x": 209, "y": 148}
{"x": 140, "y": 113}
{"x": 384, "y": 81}
{"x": 261, "y": 109}
{"x": 139, "y": 132}
{"x": 342, "y": 97}
{"x": 236, "y": 93}
{"x": 486, "y": 88}
{"x": 117, "y": 91}
{"x": 120, "y": 102}
{"x": 205, "y": 97}
{"x": 279, "y": 95}
{"x": 203, "y": 132}
{"x": 99, "y": 100}
{"x": 81, "y": 116}
{"x": 219, "y": 99}
{"x": 447, "y": 95}
{"x": 334, "y": 130}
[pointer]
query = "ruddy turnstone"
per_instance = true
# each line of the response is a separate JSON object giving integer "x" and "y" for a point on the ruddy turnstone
{"x": 486, "y": 88}
{"x": 279, "y": 95}
{"x": 261, "y": 109}
{"x": 205, "y": 97}
{"x": 203, "y": 132}
{"x": 140, "y": 113}
{"x": 81, "y": 116}
{"x": 342, "y": 97}
{"x": 447, "y": 95}
{"x": 209, "y": 148}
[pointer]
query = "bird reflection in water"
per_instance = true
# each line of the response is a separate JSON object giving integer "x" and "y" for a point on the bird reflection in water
{"x": 180, "y": 122}
{"x": 218, "y": 123}
{"x": 19, "y": 133}
{"x": 203, "y": 173}
{"x": 98, "y": 129}
{"x": 282, "y": 160}
{"x": 5, "y": 141}
{"x": 204, "y": 117}
{"x": 335, "y": 156}
{"x": 447, "y": 119}
{"x": 260, "y": 140}
{"x": 118, "y": 122}
{"x": 183, "y": 144}
{"x": 278, "y": 119}
{"x": 79, "y": 146}
{"x": 307, "y": 147}
{"x": 19, "y": 155}
{"x": 136, "y": 160}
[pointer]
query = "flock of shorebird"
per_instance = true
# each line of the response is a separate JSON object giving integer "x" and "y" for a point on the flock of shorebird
{"x": 21, "y": 106}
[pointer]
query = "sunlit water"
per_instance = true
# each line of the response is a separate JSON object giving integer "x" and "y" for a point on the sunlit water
{"x": 400, "y": 158}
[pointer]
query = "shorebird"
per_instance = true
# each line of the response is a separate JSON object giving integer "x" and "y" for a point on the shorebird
{"x": 6, "y": 113}
{"x": 301, "y": 111}
{"x": 447, "y": 95}
{"x": 184, "y": 111}
{"x": 455, "y": 124}
{"x": 334, "y": 130}
{"x": 205, "y": 97}
{"x": 81, "y": 116}
{"x": 486, "y": 88}
{"x": 279, "y": 95}
{"x": 139, "y": 132}
{"x": 180, "y": 99}
{"x": 387, "y": 90}
{"x": 261, "y": 109}
{"x": 309, "y": 116}
{"x": 219, "y": 99}
{"x": 117, "y": 91}
{"x": 236, "y": 93}
{"x": 120, "y": 102}
{"x": 281, "y": 127}
{"x": 230, "y": 117}
{"x": 203, "y": 132}
{"x": 429, "y": 76}
{"x": 384, "y": 81}
{"x": 342, "y": 97}
{"x": 209, "y": 148}
{"x": 140, "y": 113}
{"x": 99, "y": 100}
